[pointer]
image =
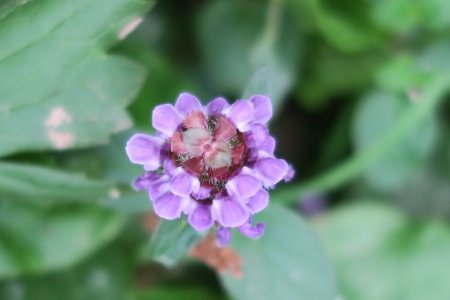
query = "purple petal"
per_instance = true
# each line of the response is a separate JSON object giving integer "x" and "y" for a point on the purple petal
{"x": 187, "y": 103}
{"x": 230, "y": 213}
{"x": 259, "y": 201}
{"x": 169, "y": 167}
{"x": 156, "y": 190}
{"x": 254, "y": 232}
{"x": 271, "y": 170}
{"x": 223, "y": 236}
{"x": 268, "y": 145}
{"x": 216, "y": 106}
{"x": 243, "y": 186}
{"x": 144, "y": 150}
{"x": 165, "y": 119}
{"x": 168, "y": 206}
{"x": 144, "y": 182}
{"x": 257, "y": 135}
{"x": 241, "y": 113}
{"x": 203, "y": 193}
{"x": 200, "y": 218}
{"x": 262, "y": 107}
{"x": 290, "y": 174}
{"x": 182, "y": 184}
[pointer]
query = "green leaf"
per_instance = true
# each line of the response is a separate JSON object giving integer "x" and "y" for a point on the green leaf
{"x": 51, "y": 239}
{"x": 404, "y": 16}
{"x": 53, "y": 73}
{"x": 399, "y": 16}
{"x": 107, "y": 275}
{"x": 259, "y": 84}
{"x": 237, "y": 42}
{"x": 345, "y": 24}
{"x": 171, "y": 291}
{"x": 286, "y": 263}
{"x": 402, "y": 74}
{"x": 172, "y": 241}
{"x": 376, "y": 115}
{"x": 431, "y": 96}
{"x": 436, "y": 58}
{"x": 331, "y": 76}
{"x": 163, "y": 83}
{"x": 46, "y": 186}
{"x": 381, "y": 254}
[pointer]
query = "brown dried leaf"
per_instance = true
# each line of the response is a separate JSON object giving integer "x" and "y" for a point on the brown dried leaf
{"x": 220, "y": 259}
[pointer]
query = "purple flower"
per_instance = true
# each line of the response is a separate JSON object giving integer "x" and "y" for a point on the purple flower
{"x": 213, "y": 163}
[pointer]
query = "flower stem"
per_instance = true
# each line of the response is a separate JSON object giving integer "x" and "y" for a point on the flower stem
{"x": 272, "y": 27}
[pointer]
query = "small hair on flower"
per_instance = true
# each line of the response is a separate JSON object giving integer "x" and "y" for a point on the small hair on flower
{"x": 213, "y": 163}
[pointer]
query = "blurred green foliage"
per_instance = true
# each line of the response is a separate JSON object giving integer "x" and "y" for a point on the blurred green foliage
{"x": 360, "y": 91}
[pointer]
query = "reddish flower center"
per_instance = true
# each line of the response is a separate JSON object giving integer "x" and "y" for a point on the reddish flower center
{"x": 212, "y": 149}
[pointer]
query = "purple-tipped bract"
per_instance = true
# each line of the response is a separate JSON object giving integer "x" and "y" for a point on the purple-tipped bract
{"x": 213, "y": 163}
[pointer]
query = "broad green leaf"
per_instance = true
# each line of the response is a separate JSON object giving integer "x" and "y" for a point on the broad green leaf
{"x": 59, "y": 89}
{"x": 172, "y": 241}
{"x": 426, "y": 194}
{"x": 379, "y": 253}
{"x": 130, "y": 202}
{"x": 376, "y": 115}
{"x": 51, "y": 239}
{"x": 119, "y": 169}
{"x": 436, "y": 57}
{"x": 287, "y": 262}
{"x": 107, "y": 275}
{"x": 43, "y": 185}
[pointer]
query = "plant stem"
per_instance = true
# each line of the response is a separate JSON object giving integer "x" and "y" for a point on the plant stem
{"x": 353, "y": 167}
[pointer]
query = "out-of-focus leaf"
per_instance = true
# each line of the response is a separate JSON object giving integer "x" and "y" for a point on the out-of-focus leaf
{"x": 333, "y": 74}
{"x": 259, "y": 84}
{"x": 43, "y": 185}
{"x": 427, "y": 193}
{"x": 375, "y": 116}
{"x": 345, "y": 24}
{"x": 435, "y": 14}
{"x": 172, "y": 241}
{"x": 117, "y": 165}
{"x": 106, "y": 276}
{"x": 234, "y": 48}
{"x": 227, "y": 35}
{"x": 119, "y": 169}
{"x": 286, "y": 263}
{"x": 404, "y": 16}
{"x": 59, "y": 90}
{"x": 130, "y": 202}
{"x": 163, "y": 84}
{"x": 399, "y": 16}
{"x": 436, "y": 58}
{"x": 51, "y": 239}
{"x": 401, "y": 74}
{"x": 176, "y": 292}
{"x": 381, "y": 254}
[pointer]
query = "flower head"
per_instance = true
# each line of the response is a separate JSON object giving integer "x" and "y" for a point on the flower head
{"x": 213, "y": 163}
